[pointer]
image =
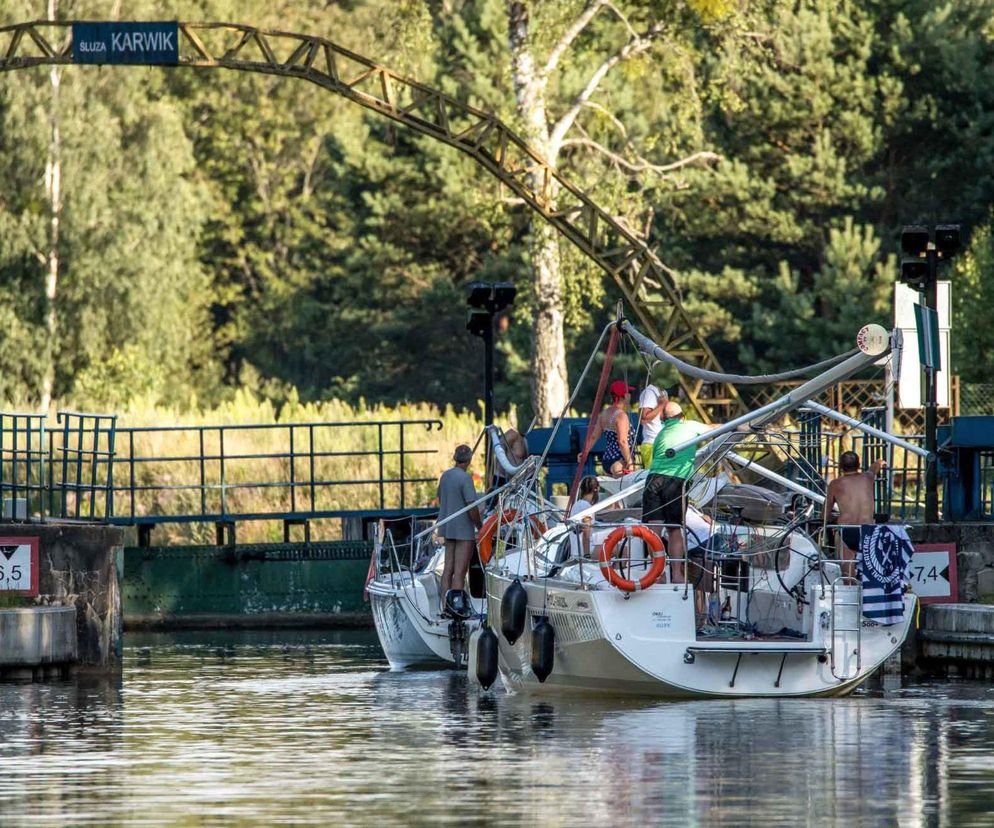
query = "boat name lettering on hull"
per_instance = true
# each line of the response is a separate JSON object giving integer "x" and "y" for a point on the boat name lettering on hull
{"x": 662, "y": 620}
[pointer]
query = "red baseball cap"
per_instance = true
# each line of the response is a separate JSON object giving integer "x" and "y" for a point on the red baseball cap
{"x": 619, "y": 388}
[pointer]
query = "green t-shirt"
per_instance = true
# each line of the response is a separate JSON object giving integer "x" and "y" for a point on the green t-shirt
{"x": 675, "y": 432}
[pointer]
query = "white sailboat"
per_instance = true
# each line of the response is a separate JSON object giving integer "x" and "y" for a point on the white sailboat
{"x": 407, "y": 612}
{"x": 792, "y": 632}
{"x": 790, "y": 621}
{"x": 405, "y": 589}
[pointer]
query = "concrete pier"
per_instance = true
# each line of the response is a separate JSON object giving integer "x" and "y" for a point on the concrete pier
{"x": 37, "y": 642}
{"x": 958, "y": 639}
{"x": 79, "y": 568}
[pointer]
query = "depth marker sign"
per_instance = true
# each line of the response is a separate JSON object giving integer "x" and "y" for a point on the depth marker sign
{"x": 933, "y": 573}
{"x": 143, "y": 44}
{"x": 19, "y": 566}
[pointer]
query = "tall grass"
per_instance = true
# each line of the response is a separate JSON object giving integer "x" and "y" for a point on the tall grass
{"x": 170, "y": 479}
{"x": 255, "y": 482}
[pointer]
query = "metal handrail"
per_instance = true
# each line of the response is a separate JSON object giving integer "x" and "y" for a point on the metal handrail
{"x": 68, "y": 471}
{"x": 22, "y": 458}
{"x": 431, "y": 424}
{"x": 214, "y": 467}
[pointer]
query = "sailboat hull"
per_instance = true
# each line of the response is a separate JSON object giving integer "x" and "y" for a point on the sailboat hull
{"x": 411, "y": 630}
{"x": 646, "y": 644}
{"x": 402, "y": 641}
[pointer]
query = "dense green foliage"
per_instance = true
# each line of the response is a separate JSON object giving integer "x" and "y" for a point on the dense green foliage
{"x": 222, "y": 231}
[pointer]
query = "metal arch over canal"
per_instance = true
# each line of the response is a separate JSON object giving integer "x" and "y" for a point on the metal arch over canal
{"x": 645, "y": 282}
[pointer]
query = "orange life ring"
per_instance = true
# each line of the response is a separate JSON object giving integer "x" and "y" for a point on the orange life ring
{"x": 485, "y": 539}
{"x": 658, "y": 557}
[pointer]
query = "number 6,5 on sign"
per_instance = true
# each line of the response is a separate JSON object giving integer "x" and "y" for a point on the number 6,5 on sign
{"x": 19, "y": 566}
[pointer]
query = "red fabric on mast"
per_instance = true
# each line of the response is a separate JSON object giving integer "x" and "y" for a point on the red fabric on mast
{"x": 612, "y": 344}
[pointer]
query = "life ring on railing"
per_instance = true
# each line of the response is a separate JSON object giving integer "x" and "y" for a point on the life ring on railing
{"x": 485, "y": 539}
{"x": 654, "y": 542}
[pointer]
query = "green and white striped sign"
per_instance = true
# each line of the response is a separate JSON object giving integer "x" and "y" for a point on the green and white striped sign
{"x": 927, "y": 322}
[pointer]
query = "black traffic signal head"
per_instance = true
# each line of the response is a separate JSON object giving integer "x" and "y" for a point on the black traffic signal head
{"x": 947, "y": 239}
{"x": 914, "y": 241}
{"x": 914, "y": 273}
{"x": 478, "y": 294}
{"x": 490, "y": 297}
{"x": 478, "y": 322}
{"x": 504, "y": 293}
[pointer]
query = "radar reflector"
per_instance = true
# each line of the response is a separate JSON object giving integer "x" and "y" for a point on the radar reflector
{"x": 873, "y": 340}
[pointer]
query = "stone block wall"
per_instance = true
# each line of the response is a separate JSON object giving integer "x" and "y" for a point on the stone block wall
{"x": 81, "y": 566}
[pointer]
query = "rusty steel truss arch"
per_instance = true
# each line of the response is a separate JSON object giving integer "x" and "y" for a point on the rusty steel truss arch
{"x": 646, "y": 284}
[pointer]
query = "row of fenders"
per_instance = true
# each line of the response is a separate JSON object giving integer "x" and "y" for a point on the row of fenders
{"x": 513, "y": 617}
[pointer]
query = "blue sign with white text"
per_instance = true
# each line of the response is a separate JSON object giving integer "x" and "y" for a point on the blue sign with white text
{"x": 119, "y": 42}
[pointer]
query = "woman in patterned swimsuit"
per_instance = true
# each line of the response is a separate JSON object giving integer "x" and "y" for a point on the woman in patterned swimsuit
{"x": 619, "y": 436}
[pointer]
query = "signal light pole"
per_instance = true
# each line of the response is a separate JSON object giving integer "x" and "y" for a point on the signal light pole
{"x": 486, "y": 301}
{"x": 921, "y": 273}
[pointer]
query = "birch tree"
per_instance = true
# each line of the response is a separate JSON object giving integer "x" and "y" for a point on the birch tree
{"x": 53, "y": 195}
{"x": 552, "y": 122}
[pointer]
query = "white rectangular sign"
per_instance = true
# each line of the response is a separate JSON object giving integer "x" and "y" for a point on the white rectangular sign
{"x": 19, "y": 565}
{"x": 906, "y": 298}
{"x": 910, "y": 391}
{"x": 932, "y": 572}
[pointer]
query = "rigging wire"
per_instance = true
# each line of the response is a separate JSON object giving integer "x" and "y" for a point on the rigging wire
{"x": 651, "y": 348}
{"x": 595, "y": 412}
{"x": 533, "y": 482}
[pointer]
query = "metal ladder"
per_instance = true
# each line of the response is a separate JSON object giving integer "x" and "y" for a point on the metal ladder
{"x": 839, "y": 634}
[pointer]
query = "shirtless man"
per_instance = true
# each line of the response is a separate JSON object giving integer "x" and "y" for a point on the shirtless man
{"x": 853, "y": 494}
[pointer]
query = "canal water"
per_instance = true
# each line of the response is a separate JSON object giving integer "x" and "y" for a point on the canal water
{"x": 312, "y": 729}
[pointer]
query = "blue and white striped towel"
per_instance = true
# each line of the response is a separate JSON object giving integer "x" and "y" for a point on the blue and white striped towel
{"x": 884, "y": 557}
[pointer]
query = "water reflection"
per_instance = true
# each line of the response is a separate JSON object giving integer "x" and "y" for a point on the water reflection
{"x": 311, "y": 728}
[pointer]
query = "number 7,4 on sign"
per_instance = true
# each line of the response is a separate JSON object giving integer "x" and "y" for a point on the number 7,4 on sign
{"x": 19, "y": 566}
{"x": 932, "y": 573}
{"x": 922, "y": 573}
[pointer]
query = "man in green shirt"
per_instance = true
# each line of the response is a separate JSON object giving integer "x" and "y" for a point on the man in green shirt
{"x": 664, "y": 499}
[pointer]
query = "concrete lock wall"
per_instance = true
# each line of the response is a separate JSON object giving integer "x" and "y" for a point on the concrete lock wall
{"x": 36, "y": 637}
{"x": 974, "y": 556}
{"x": 80, "y": 566}
{"x": 317, "y": 584}
{"x": 959, "y": 637}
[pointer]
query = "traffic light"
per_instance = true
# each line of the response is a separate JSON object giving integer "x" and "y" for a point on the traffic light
{"x": 478, "y": 294}
{"x": 504, "y": 293}
{"x": 947, "y": 239}
{"x": 485, "y": 302}
{"x": 914, "y": 240}
{"x": 914, "y": 273}
{"x": 490, "y": 297}
{"x": 478, "y": 322}
{"x": 921, "y": 270}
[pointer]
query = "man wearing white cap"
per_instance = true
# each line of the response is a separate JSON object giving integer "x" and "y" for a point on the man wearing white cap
{"x": 652, "y": 401}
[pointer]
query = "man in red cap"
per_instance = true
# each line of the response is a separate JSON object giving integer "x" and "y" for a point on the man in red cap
{"x": 619, "y": 436}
